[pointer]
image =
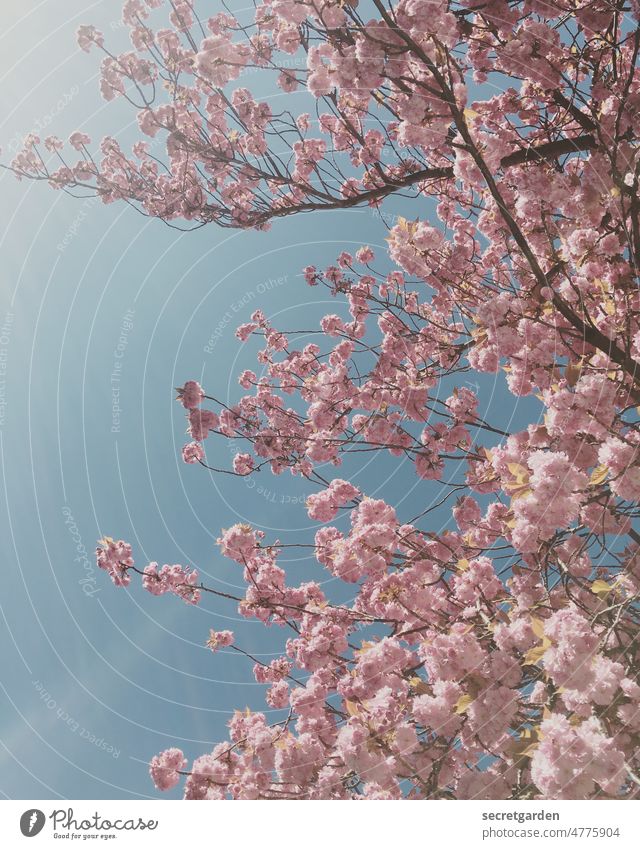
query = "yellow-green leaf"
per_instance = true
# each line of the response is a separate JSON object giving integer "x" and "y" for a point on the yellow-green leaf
{"x": 463, "y": 703}
{"x": 535, "y": 655}
{"x": 352, "y": 708}
{"x": 537, "y": 626}
{"x": 526, "y": 744}
{"x": 520, "y": 473}
{"x": 600, "y": 588}
{"x": 572, "y": 373}
{"x": 521, "y": 492}
{"x": 420, "y": 686}
{"x": 599, "y": 475}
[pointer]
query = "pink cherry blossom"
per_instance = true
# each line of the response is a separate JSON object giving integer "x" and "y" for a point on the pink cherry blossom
{"x": 192, "y": 452}
{"x": 164, "y": 768}
{"x": 219, "y": 639}
{"x": 191, "y": 395}
{"x": 116, "y": 559}
{"x": 486, "y": 644}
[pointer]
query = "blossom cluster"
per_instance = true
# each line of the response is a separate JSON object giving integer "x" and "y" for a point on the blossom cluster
{"x": 496, "y": 657}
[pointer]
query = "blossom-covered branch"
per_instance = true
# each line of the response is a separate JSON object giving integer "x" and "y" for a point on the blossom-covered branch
{"x": 497, "y": 658}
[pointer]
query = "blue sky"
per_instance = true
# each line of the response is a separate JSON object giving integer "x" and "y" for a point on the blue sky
{"x": 95, "y": 299}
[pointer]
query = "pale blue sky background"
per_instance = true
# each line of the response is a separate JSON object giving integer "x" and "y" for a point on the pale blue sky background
{"x": 96, "y": 680}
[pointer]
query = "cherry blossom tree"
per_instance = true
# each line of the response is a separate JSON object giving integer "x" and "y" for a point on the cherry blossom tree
{"x": 504, "y": 659}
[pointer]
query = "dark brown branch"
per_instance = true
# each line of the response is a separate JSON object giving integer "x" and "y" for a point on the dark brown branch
{"x": 549, "y": 150}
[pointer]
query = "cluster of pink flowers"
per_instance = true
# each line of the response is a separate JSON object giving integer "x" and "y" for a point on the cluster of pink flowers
{"x": 219, "y": 639}
{"x": 324, "y": 505}
{"x": 172, "y": 579}
{"x": 191, "y": 395}
{"x": 116, "y": 559}
{"x": 571, "y": 760}
{"x": 164, "y": 768}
